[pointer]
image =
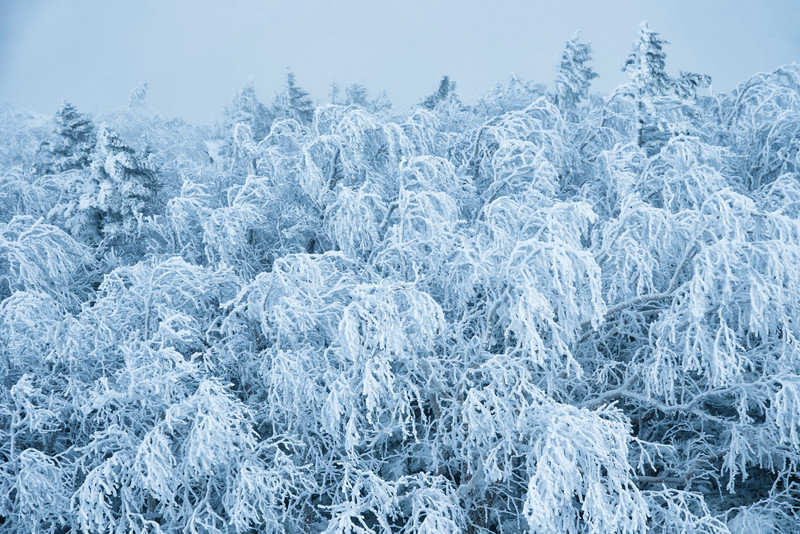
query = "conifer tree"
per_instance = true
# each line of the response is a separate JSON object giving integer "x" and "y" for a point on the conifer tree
{"x": 334, "y": 94}
{"x": 136, "y": 100}
{"x": 73, "y": 143}
{"x": 446, "y": 91}
{"x": 245, "y": 107}
{"x": 646, "y": 63}
{"x": 356, "y": 94}
{"x": 381, "y": 104}
{"x": 294, "y": 102}
{"x": 119, "y": 190}
{"x": 574, "y": 75}
{"x": 646, "y": 67}
{"x": 128, "y": 187}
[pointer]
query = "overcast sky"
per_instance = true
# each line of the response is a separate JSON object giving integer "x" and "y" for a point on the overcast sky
{"x": 194, "y": 54}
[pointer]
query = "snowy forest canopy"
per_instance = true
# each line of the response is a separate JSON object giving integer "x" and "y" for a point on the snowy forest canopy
{"x": 548, "y": 312}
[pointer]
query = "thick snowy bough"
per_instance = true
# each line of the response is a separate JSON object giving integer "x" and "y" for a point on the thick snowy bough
{"x": 580, "y": 457}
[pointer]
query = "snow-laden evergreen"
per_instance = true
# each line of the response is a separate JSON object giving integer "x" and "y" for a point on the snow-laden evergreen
{"x": 545, "y": 312}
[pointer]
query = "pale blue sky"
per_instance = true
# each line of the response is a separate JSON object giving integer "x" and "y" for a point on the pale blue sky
{"x": 194, "y": 54}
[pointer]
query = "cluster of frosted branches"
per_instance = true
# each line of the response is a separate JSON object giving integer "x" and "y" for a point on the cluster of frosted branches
{"x": 540, "y": 313}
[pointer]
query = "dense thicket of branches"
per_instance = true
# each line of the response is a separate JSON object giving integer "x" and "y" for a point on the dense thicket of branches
{"x": 545, "y": 312}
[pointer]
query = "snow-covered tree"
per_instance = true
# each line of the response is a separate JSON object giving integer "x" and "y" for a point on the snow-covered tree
{"x": 138, "y": 96}
{"x": 246, "y": 108}
{"x": 646, "y": 64}
{"x": 445, "y": 92}
{"x": 121, "y": 188}
{"x": 41, "y": 257}
{"x": 760, "y": 120}
{"x": 355, "y": 94}
{"x": 72, "y": 144}
{"x": 574, "y": 75}
{"x": 294, "y": 102}
{"x": 646, "y": 67}
{"x": 664, "y": 106}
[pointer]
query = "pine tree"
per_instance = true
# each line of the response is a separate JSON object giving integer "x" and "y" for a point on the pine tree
{"x": 574, "y": 75}
{"x": 120, "y": 189}
{"x": 646, "y": 63}
{"x": 294, "y": 102}
{"x": 73, "y": 143}
{"x": 245, "y": 107}
{"x": 356, "y": 94}
{"x": 646, "y": 67}
{"x": 137, "y": 98}
{"x": 446, "y": 91}
{"x": 664, "y": 106}
{"x": 334, "y": 94}
{"x": 381, "y": 104}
